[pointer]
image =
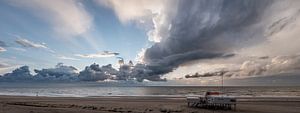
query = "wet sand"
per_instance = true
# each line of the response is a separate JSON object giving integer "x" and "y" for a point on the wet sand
{"x": 23, "y": 104}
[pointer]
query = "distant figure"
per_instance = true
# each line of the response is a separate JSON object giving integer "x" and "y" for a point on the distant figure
{"x": 37, "y": 94}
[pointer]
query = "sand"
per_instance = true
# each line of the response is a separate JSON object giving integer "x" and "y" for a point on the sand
{"x": 23, "y": 104}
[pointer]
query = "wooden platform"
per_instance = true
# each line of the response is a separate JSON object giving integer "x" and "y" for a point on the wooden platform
{"x": 212, "y": 102}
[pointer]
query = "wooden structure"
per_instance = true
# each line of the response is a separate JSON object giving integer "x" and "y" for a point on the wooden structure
{"x": 212, "y": 100}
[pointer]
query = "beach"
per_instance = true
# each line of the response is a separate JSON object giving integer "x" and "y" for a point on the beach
{"x": 136, "y": 104}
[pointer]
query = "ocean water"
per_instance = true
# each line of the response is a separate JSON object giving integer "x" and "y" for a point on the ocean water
{"x": 119, "y": 89}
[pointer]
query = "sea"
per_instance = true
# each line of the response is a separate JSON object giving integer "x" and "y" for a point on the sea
{"x": 94, "y": 89}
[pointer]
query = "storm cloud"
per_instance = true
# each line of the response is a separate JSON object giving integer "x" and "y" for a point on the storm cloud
{"x": 192, "y": 30}
{"x": 188, "y": 30}
{"x": 207, "y": 26}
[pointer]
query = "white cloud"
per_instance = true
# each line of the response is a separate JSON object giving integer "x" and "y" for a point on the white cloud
{"x": 152, "y": 13}
{"x": 67, "y": 16}
{"x": 98, "y": 55}
{"x": 140, "y": 56}
{"x": 128, "y": 10}
{"x": 2, "y": 49}
{"x": 67, "y": 58}
{"x": 26, "y": 43}
{"x": 29, "y": 44}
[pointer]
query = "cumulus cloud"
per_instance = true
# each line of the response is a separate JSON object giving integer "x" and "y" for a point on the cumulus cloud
{"x": 126, "y": 72}
{"x": 67, "y": 16}
{"x": 96, "y": 73}
{"x": 59, "y": 73}
{"x": 154, "y": 14}
{"x": 98, "y": 55}
{"x": 19, "y": 74}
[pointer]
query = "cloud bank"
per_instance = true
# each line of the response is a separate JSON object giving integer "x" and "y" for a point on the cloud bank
{"x": 59, "y": 73}
{"x": 94, "y": 72}
{"x": 257, "y": 66}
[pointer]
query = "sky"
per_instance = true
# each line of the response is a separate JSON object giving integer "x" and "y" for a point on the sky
{"x": 164, "y": 39}
{"x": 62, "y": 30}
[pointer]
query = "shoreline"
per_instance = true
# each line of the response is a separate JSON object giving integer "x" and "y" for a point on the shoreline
{"x": 134, "y": 104}
{"x": 291, "y": 98}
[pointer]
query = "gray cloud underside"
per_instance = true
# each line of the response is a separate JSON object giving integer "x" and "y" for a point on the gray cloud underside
{"x": 94, "y": 72}
{"x": 256, "y": 67}
{"x": 205, "y": 29}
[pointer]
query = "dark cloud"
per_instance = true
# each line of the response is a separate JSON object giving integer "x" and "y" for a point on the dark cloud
{"x": 258, "y": 66}
{"x": 95, "y": 73}
{"x": 127, "y": 71}
{"x": 141, "y": 72}
{"x": 203, "y": 29}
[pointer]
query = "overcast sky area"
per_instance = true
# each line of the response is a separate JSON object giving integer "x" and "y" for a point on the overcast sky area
{"x": 186, "y": 41}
